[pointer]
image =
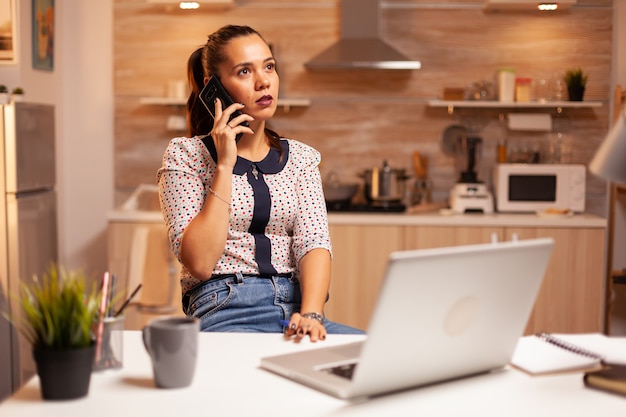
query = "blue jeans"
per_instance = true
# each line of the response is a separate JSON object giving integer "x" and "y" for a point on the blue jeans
{"x": 238, "y": 303}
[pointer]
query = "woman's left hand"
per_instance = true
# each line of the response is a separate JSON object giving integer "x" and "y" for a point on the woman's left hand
{"x": 301, "y": 326}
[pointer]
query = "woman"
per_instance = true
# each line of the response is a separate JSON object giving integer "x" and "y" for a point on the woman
{"x": 246, "y": 219}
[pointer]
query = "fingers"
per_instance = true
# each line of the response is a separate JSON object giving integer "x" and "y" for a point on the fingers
{"x": 224, "y": 126}
{"x": 236, "y": 122}
{"x": 299, "y": 327}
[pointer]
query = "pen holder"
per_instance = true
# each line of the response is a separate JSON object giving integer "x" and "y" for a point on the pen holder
{"x": 109, "y": 344}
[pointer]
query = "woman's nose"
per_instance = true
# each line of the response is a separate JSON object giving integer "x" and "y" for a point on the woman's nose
{"x": 263, "y": 82}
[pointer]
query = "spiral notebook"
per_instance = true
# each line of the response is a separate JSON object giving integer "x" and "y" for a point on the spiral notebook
{"x": 554, "y": 353}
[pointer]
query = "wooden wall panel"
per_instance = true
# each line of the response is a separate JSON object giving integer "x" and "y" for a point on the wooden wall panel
{"x": 358, "y": 118}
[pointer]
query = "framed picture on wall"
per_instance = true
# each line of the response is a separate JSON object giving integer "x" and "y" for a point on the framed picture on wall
{"x": 43, "y": 34}
{"x": 8, "y": 50}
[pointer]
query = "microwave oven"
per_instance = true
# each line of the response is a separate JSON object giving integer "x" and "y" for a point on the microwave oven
{"x": 537, "y": 187}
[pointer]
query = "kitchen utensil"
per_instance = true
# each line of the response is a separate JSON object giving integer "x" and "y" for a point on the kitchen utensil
{"x": 468, "y": 157}
{"x": 384, "y": 184}
{"x": 420, "y": 164}
{"x": 336, "y": 191}
{"x": 422, "y": 185}
{"x": 450, "y": 138}
{"x": 421, "y": 192}
{"x": 471, "y": 198}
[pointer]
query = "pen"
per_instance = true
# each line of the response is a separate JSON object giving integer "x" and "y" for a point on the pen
{"x": 128, "y": 300}
{"x": 111, "y": 295}
{"x": 284, "y": 323}
{"x": 103, "y": 306}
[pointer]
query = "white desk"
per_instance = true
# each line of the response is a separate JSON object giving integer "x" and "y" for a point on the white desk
{"x": 228, "y": 382}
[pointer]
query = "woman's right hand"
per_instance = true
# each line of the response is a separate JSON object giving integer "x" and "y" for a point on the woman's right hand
{"x": 225, "y": 132}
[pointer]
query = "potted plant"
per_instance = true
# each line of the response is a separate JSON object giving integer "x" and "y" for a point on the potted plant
{"x": 576, "y": 80}
{"x": 57, "y": 316}
{"x": 17, "y": 94}
{"x": 4, "y": 94}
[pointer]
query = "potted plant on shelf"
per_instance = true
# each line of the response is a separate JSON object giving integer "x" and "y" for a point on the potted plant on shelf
{"x": 57, "y": 316}
{"x": 576, "y": 80}
{"x": 4, "y": 94}
{"x": 17, "y": 94}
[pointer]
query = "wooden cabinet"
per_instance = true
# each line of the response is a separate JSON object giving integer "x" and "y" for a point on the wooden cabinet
{"x": 359, "y": 259}
{"x": 422, "y": 237}
{"x": 570, "y": 300}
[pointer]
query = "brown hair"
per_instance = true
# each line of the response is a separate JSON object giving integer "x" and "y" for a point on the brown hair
{"x": 204, "y": 62}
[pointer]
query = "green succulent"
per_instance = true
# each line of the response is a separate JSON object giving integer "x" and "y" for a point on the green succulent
{"x": 18, "y": 90}
{"x": 57, "y": 310}
{"x": 575, "y": 77}
{"x": 3, "y": 88}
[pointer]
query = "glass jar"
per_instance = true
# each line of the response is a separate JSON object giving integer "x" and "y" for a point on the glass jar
{"x": 522, "y": 89}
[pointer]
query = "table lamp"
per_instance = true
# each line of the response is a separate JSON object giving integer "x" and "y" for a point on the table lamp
{"x": 609, "y": 161}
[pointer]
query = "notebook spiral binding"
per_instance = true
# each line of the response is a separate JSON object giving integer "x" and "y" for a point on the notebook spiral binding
{"x": 568, "y": 346}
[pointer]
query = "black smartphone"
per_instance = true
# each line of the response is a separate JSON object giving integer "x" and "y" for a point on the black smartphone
{"x": 214, "y": 89}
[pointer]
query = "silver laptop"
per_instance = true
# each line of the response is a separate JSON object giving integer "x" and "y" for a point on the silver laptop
{"x": 441, "y": 314}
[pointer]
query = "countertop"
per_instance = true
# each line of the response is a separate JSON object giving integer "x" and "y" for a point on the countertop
{"x": 142, "y": 207}
{"x": 434, "y": 218}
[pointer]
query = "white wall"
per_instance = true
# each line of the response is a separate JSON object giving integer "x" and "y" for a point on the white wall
{"x": 81, "y": 88}
{"x": 86, "y": 145}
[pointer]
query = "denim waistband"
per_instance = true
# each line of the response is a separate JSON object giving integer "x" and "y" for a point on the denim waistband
{"x": 217, "y": 277}
{"x": 268, "y": 276}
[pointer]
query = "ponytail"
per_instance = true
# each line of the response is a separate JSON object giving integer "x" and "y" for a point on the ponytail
{"x": 199, "y": 121}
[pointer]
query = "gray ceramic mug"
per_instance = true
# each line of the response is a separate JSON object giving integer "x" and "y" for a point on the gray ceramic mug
{"x": 172, "y": 343}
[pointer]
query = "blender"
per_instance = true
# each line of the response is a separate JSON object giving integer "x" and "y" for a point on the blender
{"x": 469, "y": 194}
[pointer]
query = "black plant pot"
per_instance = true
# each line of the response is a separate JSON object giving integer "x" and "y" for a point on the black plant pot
{"x": 64, "y": 374}
{"x": 576, "y": 92}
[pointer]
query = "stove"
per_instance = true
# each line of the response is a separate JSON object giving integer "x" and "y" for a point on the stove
{"x": 374, "y": 207}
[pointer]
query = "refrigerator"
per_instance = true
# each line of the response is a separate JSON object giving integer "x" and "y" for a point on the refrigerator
{"x": 28, "y": 222}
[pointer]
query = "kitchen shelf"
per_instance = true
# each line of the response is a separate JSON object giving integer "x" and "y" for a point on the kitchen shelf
{"x": 211, "y": 4}
{"x": 285, "y": 103}
{"x": 484, "y": 104}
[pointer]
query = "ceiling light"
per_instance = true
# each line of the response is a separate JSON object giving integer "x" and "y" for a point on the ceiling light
{"x": 547, "y": 6}
{"x": 188, "y": 5}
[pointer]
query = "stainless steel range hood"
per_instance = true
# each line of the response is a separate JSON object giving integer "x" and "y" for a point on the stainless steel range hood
{"x": 360, "y": 46}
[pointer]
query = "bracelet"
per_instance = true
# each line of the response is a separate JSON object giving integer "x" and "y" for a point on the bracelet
{"x": 314, "y": 316}
{"x": 218, "y": 196}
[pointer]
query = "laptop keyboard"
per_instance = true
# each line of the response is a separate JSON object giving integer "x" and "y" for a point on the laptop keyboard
{"x": 344, "y": 371}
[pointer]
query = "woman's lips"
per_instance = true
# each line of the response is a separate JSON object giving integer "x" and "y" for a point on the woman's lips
{"x": 265, "y": 100}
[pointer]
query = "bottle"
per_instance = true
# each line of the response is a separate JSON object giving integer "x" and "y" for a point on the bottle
{"x": 502, "y": 152}
{"x": 501, "y": 147}
{"x": 506, "y": 84}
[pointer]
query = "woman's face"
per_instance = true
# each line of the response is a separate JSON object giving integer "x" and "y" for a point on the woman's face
{"x": 249, "y": 75}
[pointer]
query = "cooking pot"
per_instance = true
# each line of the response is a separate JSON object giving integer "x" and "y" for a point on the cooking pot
{"x": 384, "y": 184}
